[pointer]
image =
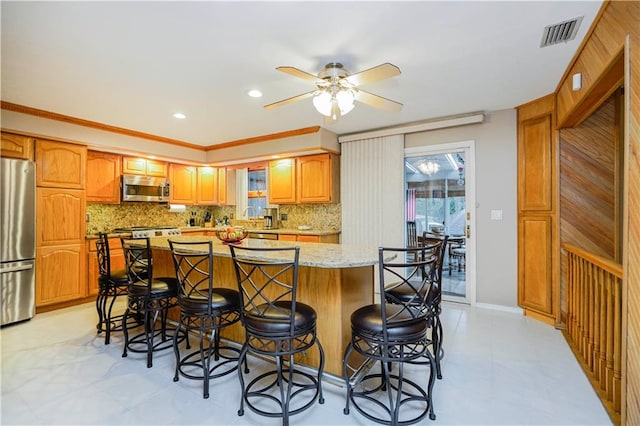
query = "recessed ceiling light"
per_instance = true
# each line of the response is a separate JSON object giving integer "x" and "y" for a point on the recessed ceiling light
{"x": 255, "y": 93}
{"x": 179, "y": 115}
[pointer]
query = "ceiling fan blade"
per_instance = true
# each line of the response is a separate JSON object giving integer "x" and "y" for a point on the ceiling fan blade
{"x": 376, "y": 73}
{"x": 378, "y": 101}
{"x": 298, "y": 73}
{"x": 290, "y": 100}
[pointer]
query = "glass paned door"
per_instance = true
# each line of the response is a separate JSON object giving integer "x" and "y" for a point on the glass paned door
{"x": 436, "y": 201}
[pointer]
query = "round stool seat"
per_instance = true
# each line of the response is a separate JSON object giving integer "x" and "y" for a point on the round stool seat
{"x": 275, "y": 319}
{"x": 160, "y": 287}
{"x": 368, "y": 319}
{"x": 222, "y": 299}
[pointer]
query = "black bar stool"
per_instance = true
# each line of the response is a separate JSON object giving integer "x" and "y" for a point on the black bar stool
{"x": 150, "y": 298}
{"x": 402, "y": 293}
{"x": 276, "y": 325}
{"x": 111, "y": 285}
{"x": 392, "y": 334}
{"x": 204, "y": 309}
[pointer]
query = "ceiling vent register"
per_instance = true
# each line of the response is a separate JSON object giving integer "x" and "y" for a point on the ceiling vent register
{"x": 561, "y": 32}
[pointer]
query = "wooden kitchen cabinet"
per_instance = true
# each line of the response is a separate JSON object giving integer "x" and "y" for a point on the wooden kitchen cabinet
{"x": 60, "y": 216}
{"x": 207, "y": 186}
{"x": 16, "y": 146}
{"x": 282, "y": 181}
{"x": 226, "y": 187}
{"x": 318, "y": 178}
{"x": 308, "y": 179}
{"x": 116, "y": 254}
{"x": 144, "y": 167}
{"x": 538, "y": 241}
{"x": 183, "y": 180}
{"x": 103, "y": 177}
{"x": 60, "y": 273}
{"x": 330, "y": 238}
{"x": 60, "y": 165}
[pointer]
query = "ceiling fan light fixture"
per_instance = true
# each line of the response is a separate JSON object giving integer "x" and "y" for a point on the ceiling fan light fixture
{"x": 322, "y": 102}
{"x": 345, "y": 99}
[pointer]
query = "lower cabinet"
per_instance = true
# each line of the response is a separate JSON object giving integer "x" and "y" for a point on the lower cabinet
{"x": 60, "y": 273}
{"x": 535, "y": 289}
{"x": 331, "y": 238}
{"x": 93, "y": 271}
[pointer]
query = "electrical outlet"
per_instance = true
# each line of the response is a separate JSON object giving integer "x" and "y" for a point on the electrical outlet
{"x": 283, "y": 216}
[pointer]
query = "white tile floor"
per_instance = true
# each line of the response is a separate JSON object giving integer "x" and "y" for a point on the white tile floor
{"x": 499, "y": 368}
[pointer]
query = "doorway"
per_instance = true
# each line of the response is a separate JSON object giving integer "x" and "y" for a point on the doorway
{"x": 439, "y": 200}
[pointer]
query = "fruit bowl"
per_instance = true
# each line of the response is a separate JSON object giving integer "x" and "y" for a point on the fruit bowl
{"x": 231, "y": 235}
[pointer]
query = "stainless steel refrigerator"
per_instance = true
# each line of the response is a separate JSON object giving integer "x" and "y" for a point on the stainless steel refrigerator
{"x": 17, "y": 240}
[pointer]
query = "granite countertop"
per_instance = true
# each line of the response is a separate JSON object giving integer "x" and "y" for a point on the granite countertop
{"x": 311, "y": 254}
{"x": 293, "y": 231}
{"x": 187, "y": 229}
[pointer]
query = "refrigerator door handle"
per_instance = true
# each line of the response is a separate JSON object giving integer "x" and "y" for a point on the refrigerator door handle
{"x": 16, "y": 268}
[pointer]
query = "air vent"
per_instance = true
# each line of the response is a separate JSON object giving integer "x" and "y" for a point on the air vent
{"x": 561, "y": 32}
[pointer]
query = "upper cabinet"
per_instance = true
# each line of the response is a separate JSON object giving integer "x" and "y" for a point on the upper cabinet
{"x": 16, "y": 146}
{"x": 142, "y": 166}
{"x": 60, "y": 165}
{"x": 103, "y": 177}
{"x": 207, "y": 186}
{"x": 308, "y": 179}
{"x": 183, "y": 180}
{"x": 318, "y": 179}
{"x": 282, "y": 181}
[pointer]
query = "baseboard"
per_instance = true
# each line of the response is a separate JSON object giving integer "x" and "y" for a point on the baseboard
{"x": 502, "y": 308}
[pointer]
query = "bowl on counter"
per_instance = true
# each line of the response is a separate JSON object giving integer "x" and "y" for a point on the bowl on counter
{"x": 231, "y": 235}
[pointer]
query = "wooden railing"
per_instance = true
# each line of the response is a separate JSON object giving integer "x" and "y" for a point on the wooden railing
{"x": 594, "y": 321}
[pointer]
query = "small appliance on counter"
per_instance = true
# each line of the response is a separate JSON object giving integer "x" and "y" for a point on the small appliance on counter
{"x": 18, "y": 242}
{"x": 270, "y": 218}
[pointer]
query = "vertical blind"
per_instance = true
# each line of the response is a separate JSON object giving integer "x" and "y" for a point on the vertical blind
{"x": 372, "y": 191}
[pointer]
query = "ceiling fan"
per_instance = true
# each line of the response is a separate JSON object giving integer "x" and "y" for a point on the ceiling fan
{"x": 336, "y": 89}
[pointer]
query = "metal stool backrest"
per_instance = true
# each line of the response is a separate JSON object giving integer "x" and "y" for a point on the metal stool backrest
{"x": 104, "y": 257}
{"x": 398, "y": 268}
{"x": 138, "y": 261}
{"x": 267, "y": 276}
{"x": 193, "y": 262}
{"x": 440, "y": 244}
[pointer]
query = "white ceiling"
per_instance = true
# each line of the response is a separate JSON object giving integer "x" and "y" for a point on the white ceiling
{"x": 133, "y": 64}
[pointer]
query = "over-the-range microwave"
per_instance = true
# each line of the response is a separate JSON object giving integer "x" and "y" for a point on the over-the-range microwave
{"x": 145, "y": 188}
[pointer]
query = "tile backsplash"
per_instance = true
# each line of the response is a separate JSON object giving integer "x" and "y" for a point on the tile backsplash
{"x": 106, "y": 217}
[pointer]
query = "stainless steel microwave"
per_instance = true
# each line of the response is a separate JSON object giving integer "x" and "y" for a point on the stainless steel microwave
{"x": 145, "y": 188}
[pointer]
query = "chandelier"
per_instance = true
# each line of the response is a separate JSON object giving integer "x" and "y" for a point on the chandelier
{"x": 429, "y": 167}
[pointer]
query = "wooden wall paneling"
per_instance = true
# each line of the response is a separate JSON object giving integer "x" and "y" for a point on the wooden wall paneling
{"x": 588, "y": 158}
{"x": 631, "y": 283}
{"x": 614, "y": 29}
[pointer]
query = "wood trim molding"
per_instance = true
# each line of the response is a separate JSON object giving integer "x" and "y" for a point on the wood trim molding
{"x": 93, "y": 124}
{"x": 22, "y": 109}
{"x": 264, "y": 138}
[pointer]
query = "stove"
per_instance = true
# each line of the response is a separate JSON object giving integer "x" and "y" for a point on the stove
{"x": 147, "y": 232}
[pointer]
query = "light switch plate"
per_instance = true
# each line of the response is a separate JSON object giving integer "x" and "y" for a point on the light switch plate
{"x": 496, "y": 214}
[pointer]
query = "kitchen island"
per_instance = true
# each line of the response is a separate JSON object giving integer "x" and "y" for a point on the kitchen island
{"x": 334, "y": 279}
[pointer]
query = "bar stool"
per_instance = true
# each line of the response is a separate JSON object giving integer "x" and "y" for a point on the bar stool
{"x": 204, "y": 309}
{"x": 402, "y": 293}
{"x": 392, "y": 334}
{"x": 111, "y": 285}
{"x": 149, "y": 297}
{"x": 276, "y": 325}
